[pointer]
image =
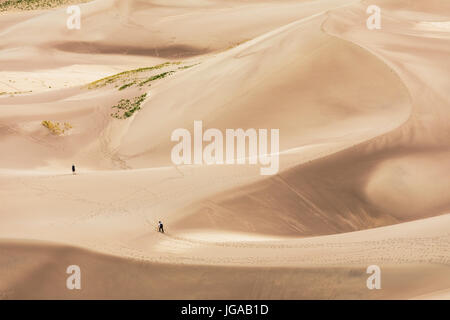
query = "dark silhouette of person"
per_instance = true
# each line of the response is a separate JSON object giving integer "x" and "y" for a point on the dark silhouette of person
{"x": 73, "y": 169}
{"x": 161, "y": 227}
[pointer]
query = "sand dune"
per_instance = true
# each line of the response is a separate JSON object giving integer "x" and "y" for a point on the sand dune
{"x": 330, "y": 267}
{"x": 364, "y": 150}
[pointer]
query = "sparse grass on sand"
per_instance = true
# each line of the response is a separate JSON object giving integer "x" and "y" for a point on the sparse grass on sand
{"x": 57, "y": 128}
{"x": 13, "y": 93}
{"x": 127, "y": 85}
{"x": 126, "y": 108}
{"x": 188, "y": 66}
{"x": 11, "y": 5}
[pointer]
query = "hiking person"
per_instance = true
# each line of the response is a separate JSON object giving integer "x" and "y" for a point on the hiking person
{"x": 73, "y": 169}
{"x": 161, "y": 227}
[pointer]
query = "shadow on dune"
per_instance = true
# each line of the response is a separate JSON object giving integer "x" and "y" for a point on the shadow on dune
{"x": 171, "y": 51}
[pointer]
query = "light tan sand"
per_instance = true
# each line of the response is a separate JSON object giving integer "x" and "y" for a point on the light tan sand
{"x": 364, "y": 151}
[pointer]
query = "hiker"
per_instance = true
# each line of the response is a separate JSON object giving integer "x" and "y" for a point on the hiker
{"x": 73, "y": 169}
{"x": 161, "y": 227}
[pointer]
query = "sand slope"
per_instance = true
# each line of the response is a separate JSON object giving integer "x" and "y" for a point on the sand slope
{"x": 364, "y": 161}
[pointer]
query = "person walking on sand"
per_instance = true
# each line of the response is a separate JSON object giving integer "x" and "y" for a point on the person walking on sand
{"x": 161, "y": 227}
{"x": 73, "y": 169}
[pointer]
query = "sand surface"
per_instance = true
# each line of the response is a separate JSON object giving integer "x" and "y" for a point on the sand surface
{"x": 364, "y": 150}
